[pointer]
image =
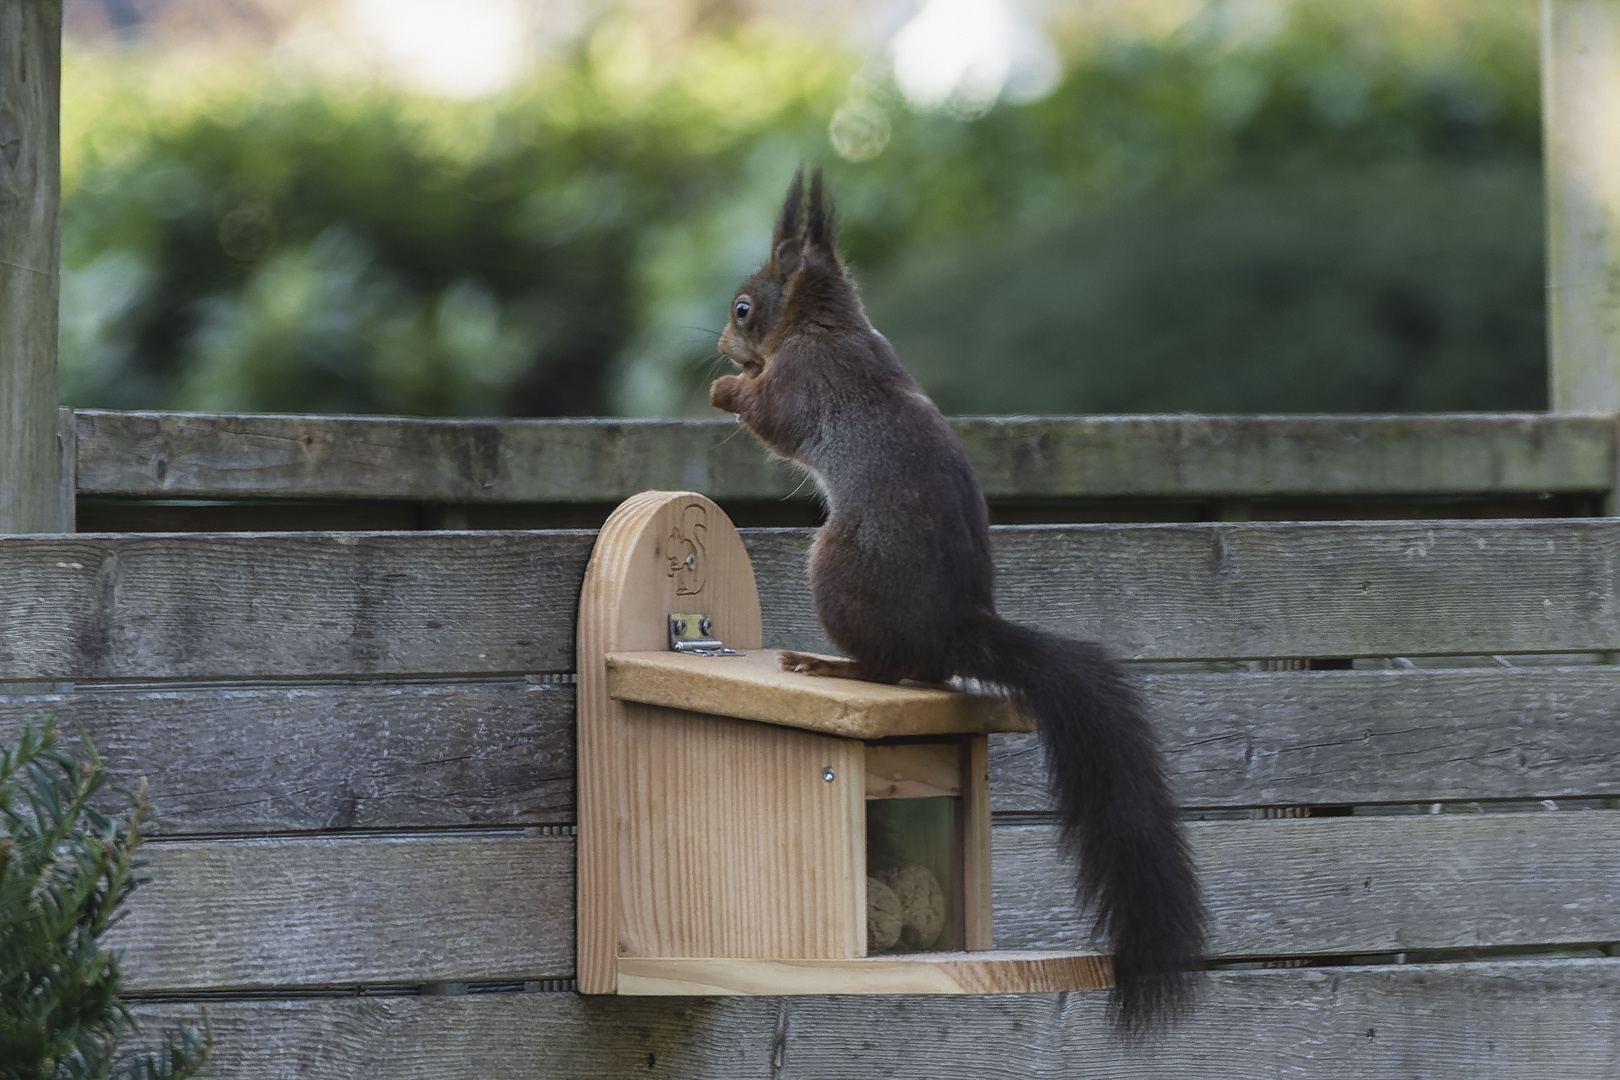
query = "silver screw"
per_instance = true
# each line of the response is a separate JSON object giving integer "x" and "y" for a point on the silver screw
{"x": 680, "y": 626}
{"x": 828, "y": 775}
{"x": 691, "y": 561}
{"x": 705, "y": 625}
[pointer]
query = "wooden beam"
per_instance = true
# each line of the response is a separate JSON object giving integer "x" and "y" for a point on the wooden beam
{"x": 918, "y": 770}
{"x": 334, "y": 911}
{"x": 1580, "y": 45}
{"x": 1009, "y": 971}
{"x": 1488, "y": 1021}
{"x": 754, "y": 687}
{"x": 306, "y": 758}
{"x": 67, "y": 494}
{"x": 1254, "y": 590}
{"x": 30, "y": 260}
{"x": 321, "y": 604}
{"x": 316, "y": 912}
{"x": 268, "y": 605}
{"x": 978, "y": 915}
{"x": 1354, "y": 885}
{"x": 292, "y": 758}
{"x": 1290, "y": 738}
{"x": 174, "y": 455}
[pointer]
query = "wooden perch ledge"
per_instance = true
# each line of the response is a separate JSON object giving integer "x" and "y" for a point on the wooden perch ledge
{"x": 754, "y": 687}
{"x": 1006, "y": 971}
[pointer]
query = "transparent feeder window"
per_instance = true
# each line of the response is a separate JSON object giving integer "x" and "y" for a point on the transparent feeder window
{"x": 912, "y": 872}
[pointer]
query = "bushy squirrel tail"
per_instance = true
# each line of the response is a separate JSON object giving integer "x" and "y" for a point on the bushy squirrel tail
{"x": 1117, "y": 816}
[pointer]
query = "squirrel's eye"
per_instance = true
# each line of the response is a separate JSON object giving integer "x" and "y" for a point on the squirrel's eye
{"x": 742, "y": 309}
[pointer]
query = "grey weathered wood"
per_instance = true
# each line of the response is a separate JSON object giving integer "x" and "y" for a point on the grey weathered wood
{"x": 1341, "y": 589}
{"x": 1357, "y": 737}
{"x": 296, "y": 758}
{"x": 331, "y": 911}
{"x": 238, "y": 605}
{"x": 121, "y": 606}
{"x": 30, "y": 258}
{"x": 343, "y": 911}
{"x": 67, "y": 471}
{"x": 1485, "y": 1021}
{"x": 175, "y": 455}
{"x": 1580, "y": 52}
{"x": 1356, "y": 885}
{"x": 379, "y": 756}
{"x": 1345, "y": 589}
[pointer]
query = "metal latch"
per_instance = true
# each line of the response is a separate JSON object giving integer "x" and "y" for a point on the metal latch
{"x": 689, "y": 633}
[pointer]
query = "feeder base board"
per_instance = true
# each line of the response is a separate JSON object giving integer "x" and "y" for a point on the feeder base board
{"x": 1000, "y": 972}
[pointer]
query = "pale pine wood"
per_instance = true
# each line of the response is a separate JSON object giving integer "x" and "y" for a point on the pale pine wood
{"x": 978, "y": 927}
{"x": 1008, "y": 972}
{"x": 914, "y": 770}
{"x": 1580, "y": 101}
{"x": 600, "y": 735}
{"x": 1501, "y": 1020}
{"x": 754, "y": 687}
{"x": 30, "y": 263}
{"x": 182, "y": 455}
{"x": 726, "y": 837}
{"x": 735, "y": 844}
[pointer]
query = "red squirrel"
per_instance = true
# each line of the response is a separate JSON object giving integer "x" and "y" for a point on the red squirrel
{"x": 901, "y": 578}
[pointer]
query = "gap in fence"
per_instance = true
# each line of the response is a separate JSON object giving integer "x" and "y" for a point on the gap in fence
{"x": 98, "y": 515}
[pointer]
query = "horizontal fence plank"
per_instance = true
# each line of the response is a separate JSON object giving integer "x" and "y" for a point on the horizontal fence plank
{"x": 234, "y": 605}
{"x": 237, "y": 605}
{"x": 1486, "y": 1021}
{"x": 180, "y": 455}
{"x": 1347, "y": 737}
{"x": 356, "y": 910}
{"x": 296, "y": 758}
{"x": 1355, "y": 885}
{"x": 378, "y": 756}
{"x": 1320, "y": 589}
{"x": 245, "y": 914}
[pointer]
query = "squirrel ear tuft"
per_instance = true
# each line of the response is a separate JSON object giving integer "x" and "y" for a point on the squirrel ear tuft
{"x": 788, "y": 258}
{"x": 787, "y": 245}
{"x": 788, "y": 221}
{"x": 821, "y": 230}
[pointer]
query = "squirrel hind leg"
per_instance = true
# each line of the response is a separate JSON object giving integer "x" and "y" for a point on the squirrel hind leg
{"x": 810, "y": 664}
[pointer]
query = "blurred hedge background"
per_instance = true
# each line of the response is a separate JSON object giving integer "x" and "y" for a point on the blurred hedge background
{"x": 1162, "y": 205}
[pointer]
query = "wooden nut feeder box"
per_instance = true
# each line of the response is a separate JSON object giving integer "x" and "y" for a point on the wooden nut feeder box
{"x": 733, "y": 815}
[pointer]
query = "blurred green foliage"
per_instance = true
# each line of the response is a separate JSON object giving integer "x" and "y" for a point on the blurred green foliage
{"x": 1293, "y": 207}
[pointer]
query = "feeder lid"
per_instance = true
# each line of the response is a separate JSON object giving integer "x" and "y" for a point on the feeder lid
{"x": 753, "y": 686}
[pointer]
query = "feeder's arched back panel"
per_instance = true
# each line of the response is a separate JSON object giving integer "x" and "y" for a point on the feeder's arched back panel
{"x": 701, "y": 835}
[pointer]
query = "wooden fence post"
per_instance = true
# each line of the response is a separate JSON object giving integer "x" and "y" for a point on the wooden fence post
{"x": 1580, "y": 65}
{"x": 30, "y": 260}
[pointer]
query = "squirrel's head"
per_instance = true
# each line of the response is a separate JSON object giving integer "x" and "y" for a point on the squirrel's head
{"x": 804, "y": 283}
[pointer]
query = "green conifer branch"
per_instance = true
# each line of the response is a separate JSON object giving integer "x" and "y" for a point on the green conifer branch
{"x": 66, "y": 870}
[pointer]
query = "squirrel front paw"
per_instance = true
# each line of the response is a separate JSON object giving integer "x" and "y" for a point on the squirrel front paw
{"x": 831, "y": 667}
{"x": 726, "y": 392}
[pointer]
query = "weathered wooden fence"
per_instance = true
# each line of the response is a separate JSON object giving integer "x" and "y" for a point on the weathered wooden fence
{"x": 1396, "y": 738}
{"x": 340, "y": 649}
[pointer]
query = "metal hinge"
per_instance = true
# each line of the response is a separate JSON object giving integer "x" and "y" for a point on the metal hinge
{"x": 689, "y": 633}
